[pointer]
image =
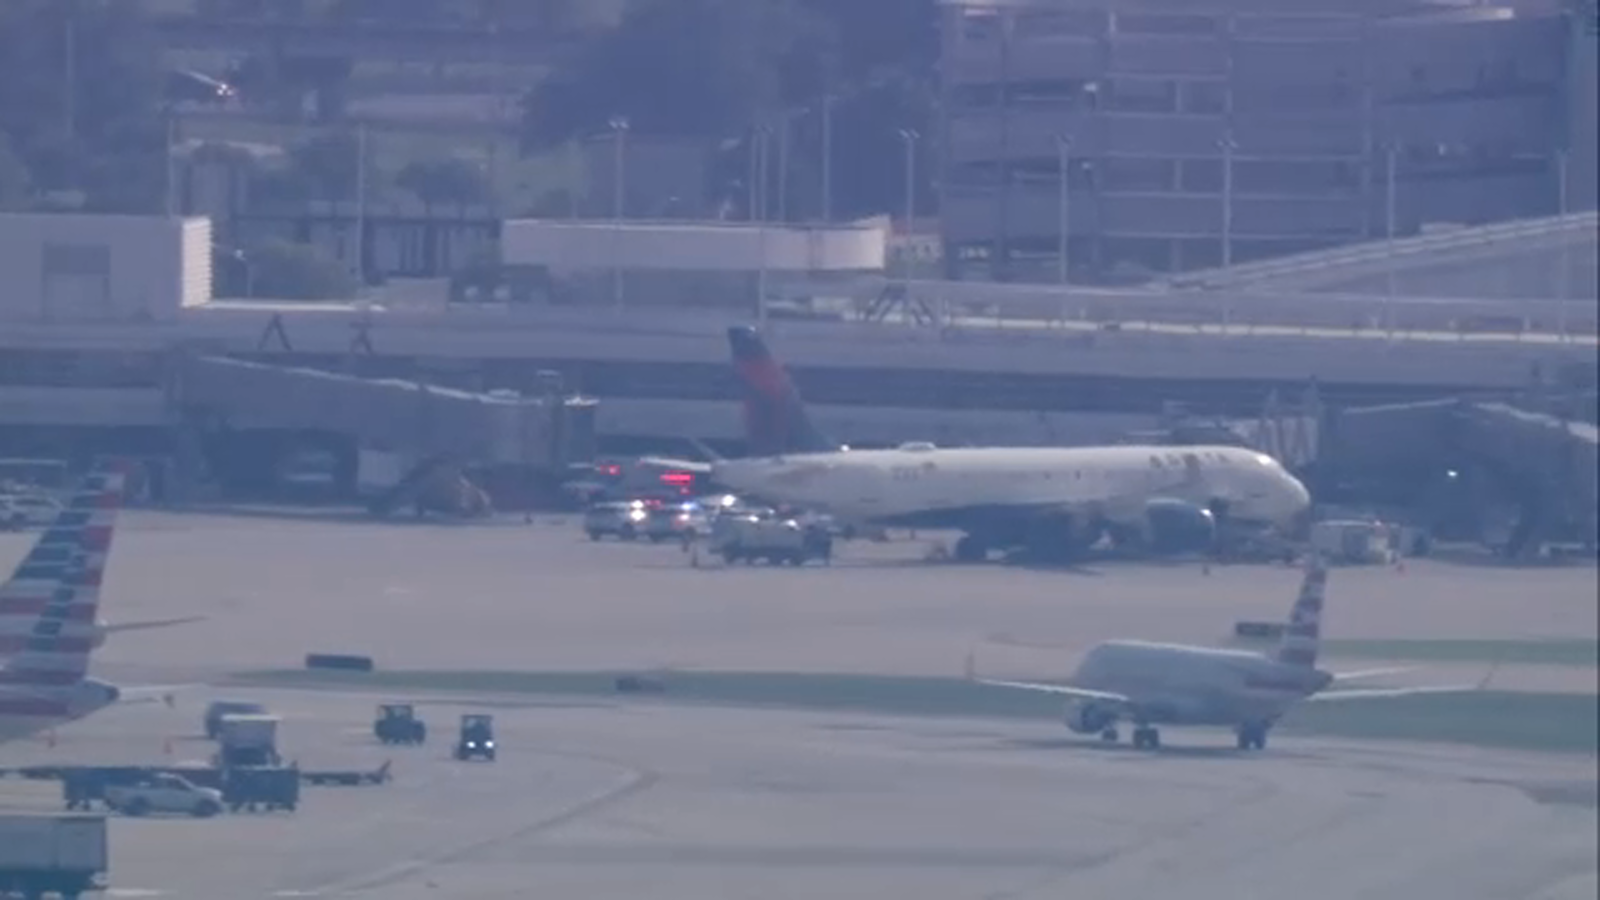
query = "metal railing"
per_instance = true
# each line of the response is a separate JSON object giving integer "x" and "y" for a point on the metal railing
{"x": 1574, "y": 225}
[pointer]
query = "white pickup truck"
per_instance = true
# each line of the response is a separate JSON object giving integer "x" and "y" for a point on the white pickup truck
{"x": 164, "y": 792}
{"x": 65, "y": 855}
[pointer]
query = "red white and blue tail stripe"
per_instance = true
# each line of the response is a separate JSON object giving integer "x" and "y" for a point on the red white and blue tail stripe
{"x": 49, "y": 607}
{"x": 1303, "y": 634}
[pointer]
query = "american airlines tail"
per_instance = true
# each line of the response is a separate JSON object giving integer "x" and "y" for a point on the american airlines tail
{"x": 1302, "y": 635}
{"x": 49, "y": 606}
{"x": 775, "y": 419}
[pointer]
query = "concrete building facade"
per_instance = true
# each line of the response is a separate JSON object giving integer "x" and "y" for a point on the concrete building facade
{"x": 1194, "y": 135}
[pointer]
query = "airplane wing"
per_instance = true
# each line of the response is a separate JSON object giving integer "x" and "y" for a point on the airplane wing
{"x": 151, "y": 623}
{"x": 1379, "y": 693}
{"x": 684, "y": 465}
{"x": 1372, "y": 673}
{"x": 1065, "y": 690}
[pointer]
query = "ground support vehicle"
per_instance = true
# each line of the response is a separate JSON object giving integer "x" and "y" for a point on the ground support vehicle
{"x": 62, "y": 855}
{"x": 347, "y": 777}
{"x": 750, "y": 536}
{"x": 397, "y": 723}
{"x": 476, "y": 740}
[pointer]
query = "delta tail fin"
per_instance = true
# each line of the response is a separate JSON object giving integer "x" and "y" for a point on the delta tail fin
{"x": 775, "y": 419}
{"x": 54, "y": 596}
{"x": 1302, "y": 636}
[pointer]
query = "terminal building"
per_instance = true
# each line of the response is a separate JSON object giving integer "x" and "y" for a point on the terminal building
{"x": 114, "y": 340}
{"x": 1195, "y": 135}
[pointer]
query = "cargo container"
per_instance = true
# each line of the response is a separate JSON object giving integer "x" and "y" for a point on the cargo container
{"x": 40, "y": 855}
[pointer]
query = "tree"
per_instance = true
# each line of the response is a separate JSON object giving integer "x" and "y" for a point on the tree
{"x": 680, "y": 68}
{"x": 716, "y": 68}
{"x": 81, "y": 100}
{"x": 436, "y": 181}
{"x": 281, "y": 270}
{"x": 327, "y": 167}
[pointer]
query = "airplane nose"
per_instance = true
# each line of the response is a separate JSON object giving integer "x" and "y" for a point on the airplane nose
{"x": 113, "y": 694}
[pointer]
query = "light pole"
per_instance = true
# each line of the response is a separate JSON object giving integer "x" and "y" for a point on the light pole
{"x": 1064, "y": 208}
{"x": 1391, "y": 153}
{"x": 619, "y": 131}
{"x": 909, "y": 137}
{"x": 1564, "y": 273}
{"x": 361, "y": 205}
{"x": 1228, "y": 145}
{"x": 783, "y": 169}
{"x": 758, "y": 206}
{"x": 827, "y": 158}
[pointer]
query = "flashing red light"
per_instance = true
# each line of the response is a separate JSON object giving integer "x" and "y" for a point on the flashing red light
{"x": 609, "y": 469}
{"x": 679, "y": 478}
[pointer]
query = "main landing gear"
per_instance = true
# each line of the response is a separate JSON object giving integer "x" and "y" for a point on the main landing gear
{"x": 970, "y": 549}
{"x": 1145, "y": 737}
{"x": 1252, "y": 737}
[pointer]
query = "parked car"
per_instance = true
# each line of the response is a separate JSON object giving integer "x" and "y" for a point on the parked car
{"x": 19, "y": 511}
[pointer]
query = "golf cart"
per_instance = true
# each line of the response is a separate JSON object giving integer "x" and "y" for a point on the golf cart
{"x": 477, "y": 738}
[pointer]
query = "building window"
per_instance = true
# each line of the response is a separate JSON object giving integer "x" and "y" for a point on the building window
{"x": 1143, "y": 95}
{"x": 1296, "y": 176}
{"x": 1138, "y": 174}
{"x": 1200, "y": 176}
{"x": 978, "y": 174}
{"x": 1204, "y": 98}
{"x": 1159, "y": 23}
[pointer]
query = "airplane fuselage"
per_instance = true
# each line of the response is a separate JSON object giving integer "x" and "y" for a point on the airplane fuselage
{"x": 1178, "y": 684}
{"x": 26, "y": 711}
{"x": 962, "y": 487}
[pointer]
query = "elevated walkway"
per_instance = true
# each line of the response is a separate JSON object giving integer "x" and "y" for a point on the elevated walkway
{"x": 1544, "y": 464}
{"x": 425, "y": 421}
{"x": 1429, "y": 264}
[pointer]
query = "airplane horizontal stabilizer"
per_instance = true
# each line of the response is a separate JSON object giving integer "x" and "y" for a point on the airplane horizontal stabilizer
{"x": 151, "y": 623}
{"x": 153, "y": 693}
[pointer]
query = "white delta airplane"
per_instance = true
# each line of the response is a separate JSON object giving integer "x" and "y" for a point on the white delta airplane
{"x": 48, "y": 615}
{"x": 1151, "y": 684}
{"x": 1050, "y": 502}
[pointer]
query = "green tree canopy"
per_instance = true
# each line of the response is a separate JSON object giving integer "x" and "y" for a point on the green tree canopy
{"x": 437, "y": 181}
{"x": 81, "y": 100}
{"x": 716, "y": 68}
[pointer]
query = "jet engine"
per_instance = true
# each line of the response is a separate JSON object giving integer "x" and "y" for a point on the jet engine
{"x": 1174, "y": 526}
{"x": 1089, "y": 718}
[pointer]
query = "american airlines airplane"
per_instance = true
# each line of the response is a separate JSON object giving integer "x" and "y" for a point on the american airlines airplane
{"x": 1050, "y": 502}
{"x": 44, "y": 682}
{"x": 1152, "y": 684}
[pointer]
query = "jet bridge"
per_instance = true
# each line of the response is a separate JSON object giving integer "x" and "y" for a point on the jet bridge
{"x": 1542, "y": 465}
{"x": 422, "y": 422}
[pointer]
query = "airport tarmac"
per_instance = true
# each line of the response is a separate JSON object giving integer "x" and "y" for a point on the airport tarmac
{"x": 638, "y": 799}
{"x": 611, "y": 797}
{"x": 510, "y": 595}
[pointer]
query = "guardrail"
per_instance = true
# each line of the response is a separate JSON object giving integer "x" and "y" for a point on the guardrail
{"x": 1578, "y": 224}
{"x": 948, "y": 303}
